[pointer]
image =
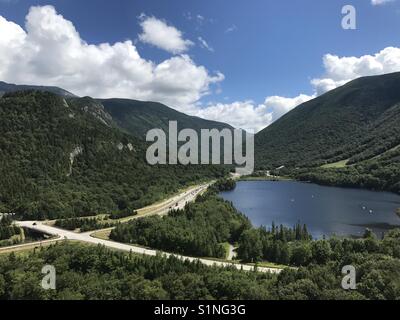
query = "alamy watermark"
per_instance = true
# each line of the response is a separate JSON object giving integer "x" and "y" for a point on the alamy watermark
{"x": 49, "y": 280}
{"x": 234, "y": 142}
{"x": 349, "y": 20}
{"x": 349, "y": 280}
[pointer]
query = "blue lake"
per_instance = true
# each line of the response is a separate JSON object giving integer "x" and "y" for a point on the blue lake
{"x": 325, "y": 210}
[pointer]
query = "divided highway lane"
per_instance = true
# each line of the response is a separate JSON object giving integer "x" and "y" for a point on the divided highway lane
{"x": 178, "y": 201}
{"x": 86, "y": 237}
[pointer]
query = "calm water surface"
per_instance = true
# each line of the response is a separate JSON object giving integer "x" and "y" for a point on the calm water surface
{"x": 325, "y": 210}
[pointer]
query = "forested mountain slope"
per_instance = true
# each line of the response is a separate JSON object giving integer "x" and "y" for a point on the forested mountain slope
{"x": 137, "y": 117}
{"x": 66, "y": 157}
{"x": 349, "y": 137}
{"x": 133, "y": 116}
{"x": 356, "y": 121}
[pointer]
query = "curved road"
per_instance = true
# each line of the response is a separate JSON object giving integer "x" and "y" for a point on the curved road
{"x": 178, "y": 201}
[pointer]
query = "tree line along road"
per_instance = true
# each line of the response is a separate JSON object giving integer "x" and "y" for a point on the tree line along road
{"x": 178, "y": 201}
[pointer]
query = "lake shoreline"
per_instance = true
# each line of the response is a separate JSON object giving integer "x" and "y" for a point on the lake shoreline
{"x": 347, "y": 211}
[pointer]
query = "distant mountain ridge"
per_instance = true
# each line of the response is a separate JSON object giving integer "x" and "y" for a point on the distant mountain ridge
{"x": 137, "y": 117}
{"x": 357, "y": 118}
{"x": 9, "y": 87}
{"x": 349, "y": 136}
{"x": 133, "y": 116}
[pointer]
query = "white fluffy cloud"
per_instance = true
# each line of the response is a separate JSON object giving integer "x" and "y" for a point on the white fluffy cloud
{"x": 159, "y": 34}
{"x": 278, "y": 106}
{"x": 50, "y": 51}
{"x": 380, "y": 2}
{"x": 250, "y": 116}
{"x": 240, "y": 114}
{"x": 340, "y": 70}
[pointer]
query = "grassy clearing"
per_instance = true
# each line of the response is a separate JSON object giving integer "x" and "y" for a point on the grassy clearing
{"x": 339, "y": 164}
{"x": 103, "y": 234}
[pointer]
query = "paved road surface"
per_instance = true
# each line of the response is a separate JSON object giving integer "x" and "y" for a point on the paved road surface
{"x": 86, "y": 237}
{"x": 178, "y": 201}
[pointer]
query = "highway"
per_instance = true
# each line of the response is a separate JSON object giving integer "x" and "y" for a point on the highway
{"x": 178, "y": 201}
{"x": 86, "y": 237}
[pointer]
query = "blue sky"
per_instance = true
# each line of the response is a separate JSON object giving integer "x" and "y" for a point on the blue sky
{"x": 263, "y": 48}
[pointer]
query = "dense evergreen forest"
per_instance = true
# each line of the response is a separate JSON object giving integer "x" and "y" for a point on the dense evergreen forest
{"x": 200, "y": 229}
{"x": 9, "y": 233}
{"x": 65, "y": 157}
{"x": 223, "y": 184}
{"x": 295, "y": 246}
{"x": 380, "y": 173}
{"x": 83, "y": 224}
{"x": 279, "y": 244}
{"x": 85, "y": 272}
